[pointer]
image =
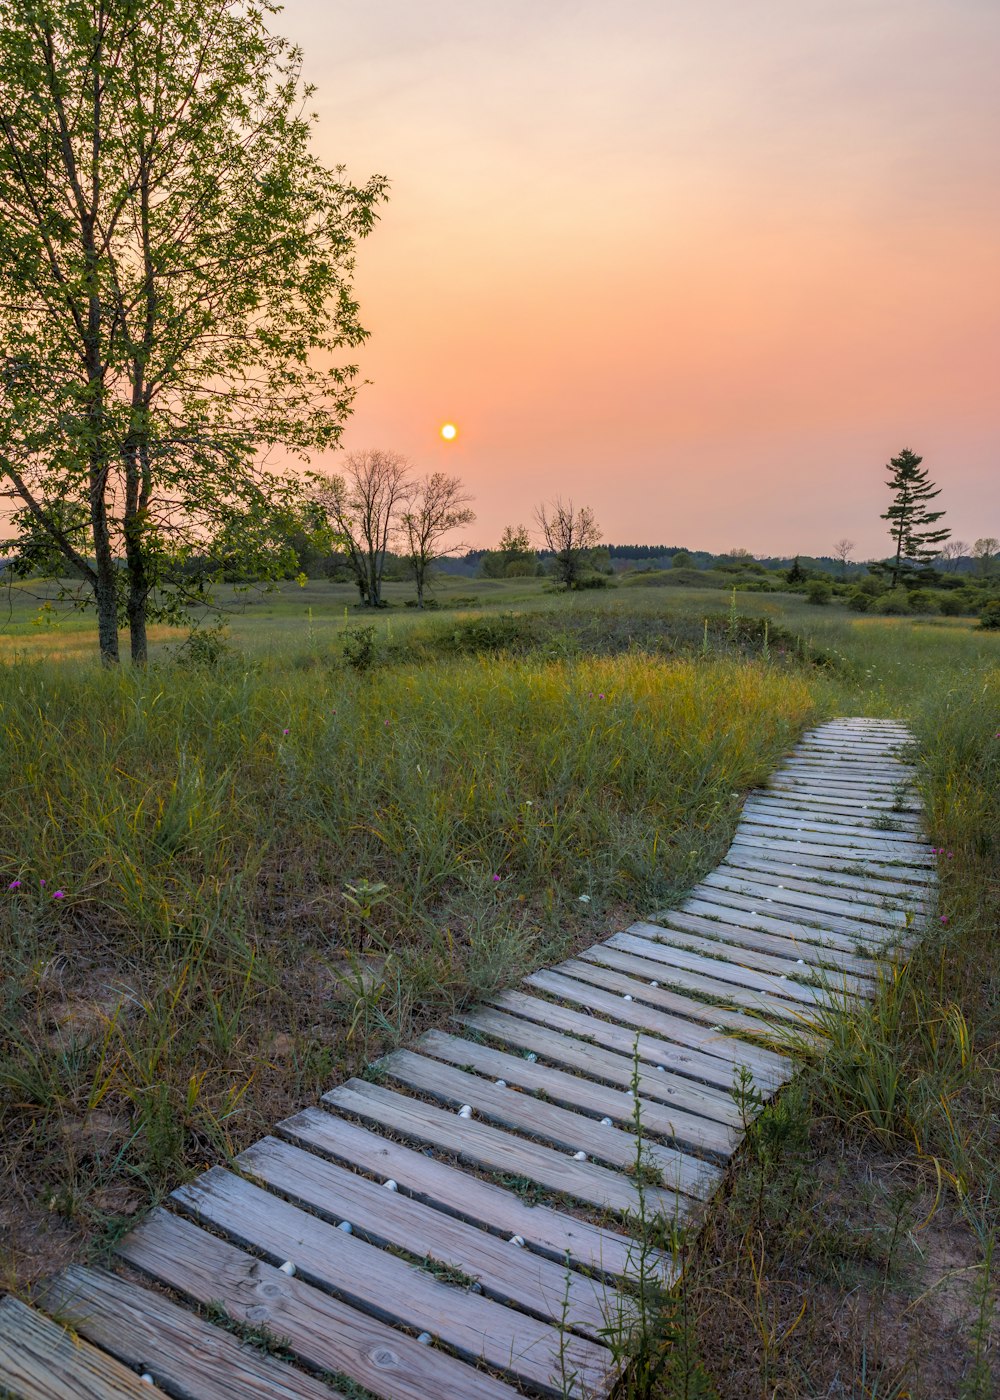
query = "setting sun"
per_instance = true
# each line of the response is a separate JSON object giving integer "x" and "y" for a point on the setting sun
{"x": 449, "y": 432}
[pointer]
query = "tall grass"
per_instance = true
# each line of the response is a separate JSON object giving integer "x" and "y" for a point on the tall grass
{"x": 219, "y": 889}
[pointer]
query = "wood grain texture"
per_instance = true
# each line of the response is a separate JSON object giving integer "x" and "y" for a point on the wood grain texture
{"x": 39, "y": 1360}
{"x": 190, "y": 1356}
{"x": 317, "y": 1328}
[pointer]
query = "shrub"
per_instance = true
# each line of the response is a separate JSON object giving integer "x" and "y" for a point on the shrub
{"x": 895, "y": 603}
{"x": 989, "y": 618}
{"x": 922, "y": 600}
{"x": 206, "y": 647}
{"x": 858, "y": 600}
{"x": 818, "y": 590}
{"x": 359, "y": 647}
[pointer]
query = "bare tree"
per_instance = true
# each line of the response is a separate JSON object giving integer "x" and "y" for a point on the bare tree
{"x": 952, "y": 551}
{"x": 363, "y": 507}
{"x": 984, "y": 551}
{"x": 570, "y": 534}
{"x": 843, "y": 550}
{"x": 439, "y": 504}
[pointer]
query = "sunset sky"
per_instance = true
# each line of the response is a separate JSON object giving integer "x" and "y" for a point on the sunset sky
{"x": 702, "y": 266}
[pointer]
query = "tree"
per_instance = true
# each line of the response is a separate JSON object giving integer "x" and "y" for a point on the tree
{"x": 843, "y": 550}
{"x": 682, "y": 560}
{"x": 952, "y": 551}
{"x": 984, "y": 552}
{"x": 514, "y": 556}
{"x": 570, "y": 534}
{"x": 438, "y": 505}
{"x": 174, "y": 266}
{"x": 908, "y": 517}
{"x": 363, "y": 508}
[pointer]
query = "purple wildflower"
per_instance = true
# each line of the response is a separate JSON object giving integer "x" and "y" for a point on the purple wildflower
{"x": 496, "y": 877}
{"x": 944, "y": 918}
{"x": 14, "y": 885}
{"x": 59, "y": 894}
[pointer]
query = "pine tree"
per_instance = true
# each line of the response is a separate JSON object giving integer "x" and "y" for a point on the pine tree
{"x": 908, "y": 517}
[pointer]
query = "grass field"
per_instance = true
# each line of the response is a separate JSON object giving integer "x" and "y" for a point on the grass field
{"x": 259, "y": 873}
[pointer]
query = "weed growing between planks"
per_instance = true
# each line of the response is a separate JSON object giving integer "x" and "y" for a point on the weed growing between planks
{"x": 225, "y": 886}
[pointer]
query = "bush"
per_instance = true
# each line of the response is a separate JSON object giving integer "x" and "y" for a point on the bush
{"x": 359, "y": 648}
{"x": 206, "y": 647}
{"x": 922, "y": 600}
{"x": 989, "y": 618}
{"x": 818, "y": 590}
{"x": 951, "y": 605}
{"x": 895, "y": 603}
{"x": 858, "y": 600}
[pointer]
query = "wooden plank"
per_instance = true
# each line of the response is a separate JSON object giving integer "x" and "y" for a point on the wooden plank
{"x": 874, "y": 863}
{"x": 880, "y": 913}
{"x": 815, "y": 880}
{"x": 717, "y": 1115}
{"x": 525, "y": 1078}
{"x": 612, "y": 970}
{"x": 747, "y": 954}
{"x": 743, "y": 916}
{"x": 577, "y": 1090}
{"x": 560, "y": 1127}
{"x": 895, "y": 844}
{"x": 831, "y": 800}
{"x": 380, "y": 1283}
{"x": 922, "y": 875}
{"x": 552, "y": 1232}
{"x": 498, "y": 1151}
{"x": 711, "y": 897}
{"x": 317, "y": 1328}
{"x": 718, "y": 1055}
{"x": 826, "y": 985}
{"x": 828, "y": 814}
{"x": 630, "y": 954}
{"x": 39, "y": 1360}
{"x": 148, "y": 1332}
{"x": 517, "y": 1276}
{"x": 782, "y": 1020}
{"x": 823, "y": 953}
{"x": 871, "y": 780}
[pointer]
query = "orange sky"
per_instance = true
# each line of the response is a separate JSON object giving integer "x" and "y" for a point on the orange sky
{"x": 704, "y": 267}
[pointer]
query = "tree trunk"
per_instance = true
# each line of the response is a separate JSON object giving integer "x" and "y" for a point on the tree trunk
{"x": 106, "y": 600}
{"x": 420, "y": 588}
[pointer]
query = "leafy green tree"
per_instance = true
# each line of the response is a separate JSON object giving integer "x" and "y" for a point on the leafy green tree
{"x": 985, "y": 552}
{"x": 438, "y": 506}
{"x": 909, "y": 519}
{"x": 514, "y": 557}
{"x": 682, "y": 560}
{"x": 175, "y": 273}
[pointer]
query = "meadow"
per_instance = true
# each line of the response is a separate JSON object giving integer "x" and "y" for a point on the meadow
{"x": 242, "y": 874}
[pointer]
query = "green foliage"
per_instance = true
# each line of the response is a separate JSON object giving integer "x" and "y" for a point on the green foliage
{"x": 206, "y": 647}
{"x": 908, "y": 516}
{"x": 360, "y": 648}
{"x": 819, "y": 590}
{"x": 989, "y": 617}
{"x": 165, "y": 317}
{"x": 894, "y": 603}
{"x": 681, "y": 560}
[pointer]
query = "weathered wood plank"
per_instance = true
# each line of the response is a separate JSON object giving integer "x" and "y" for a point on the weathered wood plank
{"x": 317, "y": 1328}
{"x": 499, "y": 1151}
{"x": 921, "y": 875}
{"x": 883, "y": 912}
{"x": 895, "y": 867}
{"x": 565, "y": 1128}
{"x": 380, "y": 1283}
{"x": 713, "y": 1108}
{"x": 780, "y": 923}
{"x": 622, "y": 973}
{"x": 811, "y": 945}
{"x": 814, "y": 880}
{"x": 830, "y": 800}
{"x": 518, "y": 1276}
{"x": 147, "y": 1331}
{"x": 718, "y": 1055}
{"x": 554, "y": 1233}
{"x": 858, "y": 930}
{"x": 896, "y": 845}
{"x": 823, "y": 815}
{"x": 628, "y": 953}
{"x": 580, "y": 1092}
{"x": 39, "y": 1360}
{"x": 657, "y": 941}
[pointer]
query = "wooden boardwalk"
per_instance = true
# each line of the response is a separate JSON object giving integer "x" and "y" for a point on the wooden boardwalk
{"x": 455, "y": 1226}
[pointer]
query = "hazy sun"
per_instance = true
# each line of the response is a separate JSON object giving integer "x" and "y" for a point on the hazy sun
{"x": 449, "y": 432}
